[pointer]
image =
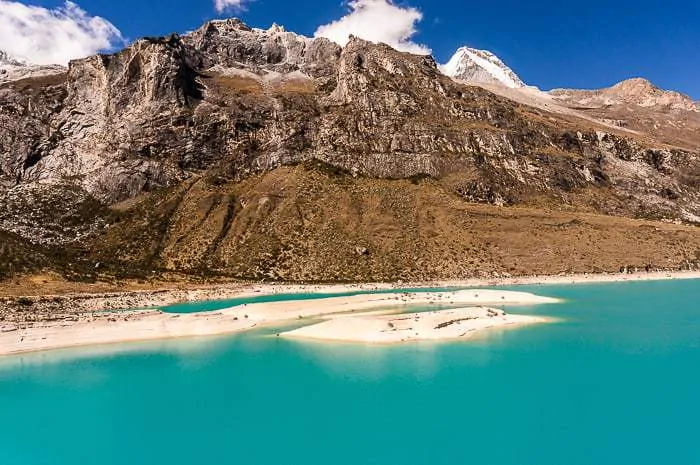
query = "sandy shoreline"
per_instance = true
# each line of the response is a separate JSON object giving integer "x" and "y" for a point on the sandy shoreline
{"x": 104, "y": 328}
{"x": 591, "y": 278}
{"x": 143, "y": 299}
{"x": 48, "y": 322}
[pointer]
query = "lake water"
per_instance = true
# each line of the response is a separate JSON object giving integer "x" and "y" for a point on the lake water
{"x": 615, "y": 381}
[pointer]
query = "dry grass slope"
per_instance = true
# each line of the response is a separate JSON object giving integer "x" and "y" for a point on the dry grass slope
{"x": 315, "y": 223}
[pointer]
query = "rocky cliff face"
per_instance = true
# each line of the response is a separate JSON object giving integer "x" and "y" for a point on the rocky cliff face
{"x": 130, "y": 135}
{"x": 232, "y": 44}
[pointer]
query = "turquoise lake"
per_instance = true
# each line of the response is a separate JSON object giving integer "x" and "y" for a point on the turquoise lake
{"x": 615, "y": 381}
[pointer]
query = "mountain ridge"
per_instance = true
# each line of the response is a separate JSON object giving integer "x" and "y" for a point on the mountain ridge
{"x": 13, "y": 69}
{"x": 634, "y": 91}
{"x": 236, "y": 151}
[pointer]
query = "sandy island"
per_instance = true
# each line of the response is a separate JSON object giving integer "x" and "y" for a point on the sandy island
{"x": 458, "y": 323}
{"x": 105, "y": 328}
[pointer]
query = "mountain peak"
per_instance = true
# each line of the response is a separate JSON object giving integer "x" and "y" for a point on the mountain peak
{"x": 275, "y": 28}
{"x": 636, "y": 85}
{"x": 237, "y": 26}
{"x": 228, "y": 23}
{"x": 230, "y": 43}
{"x": 480, "y": 66}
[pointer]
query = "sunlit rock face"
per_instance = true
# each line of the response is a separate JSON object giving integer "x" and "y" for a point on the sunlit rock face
{"x": 228, "y": 103}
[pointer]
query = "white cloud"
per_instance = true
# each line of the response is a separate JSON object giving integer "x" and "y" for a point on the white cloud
{"x": 223, "y": 5}
{"x": 49, "y": 36}
{"x": 377, "y": 21}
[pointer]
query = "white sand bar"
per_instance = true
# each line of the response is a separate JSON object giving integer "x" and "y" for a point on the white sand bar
{"x": 287, "y": 310}
{"x": 106, "y": 328}
{"x": 439, "y": 325}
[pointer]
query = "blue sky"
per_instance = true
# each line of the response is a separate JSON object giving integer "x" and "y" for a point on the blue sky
{"x": 548, "y": 43}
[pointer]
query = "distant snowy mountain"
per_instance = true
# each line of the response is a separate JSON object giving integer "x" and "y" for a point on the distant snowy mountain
{"x": 7, "y": 61}
{"x": 480, "y": 66}
{"x": 13, "y": 69}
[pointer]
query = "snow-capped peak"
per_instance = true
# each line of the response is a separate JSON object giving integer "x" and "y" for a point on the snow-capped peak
{"x": 6, "y": 60}
{"x": 13, "y": 69}
{"x": 480, "y": 66}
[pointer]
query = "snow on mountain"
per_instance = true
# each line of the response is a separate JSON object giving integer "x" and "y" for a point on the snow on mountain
{"x": 7, "y": 61}
{"x": 480, "y": 66}
{"x": 13, "y": 69}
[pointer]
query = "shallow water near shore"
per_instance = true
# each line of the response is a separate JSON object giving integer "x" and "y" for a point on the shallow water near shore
{"x": 213, "y": 305}
{"x": 613, "y": 382}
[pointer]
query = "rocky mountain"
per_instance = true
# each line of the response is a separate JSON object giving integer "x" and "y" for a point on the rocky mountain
{"x": 12, "y": 69}
{"x": 231, "y": 44}
{"x": 637, "y": 104}
{"x": 250, "y": 153}
{"x": 480, "y": 66}
{"x": 638, "y": 91}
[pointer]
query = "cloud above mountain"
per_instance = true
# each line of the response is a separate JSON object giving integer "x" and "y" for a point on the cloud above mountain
{"x": 377, "y": 21}
{"x": 224, "y": 5}
{"x": 49, "y": 36}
